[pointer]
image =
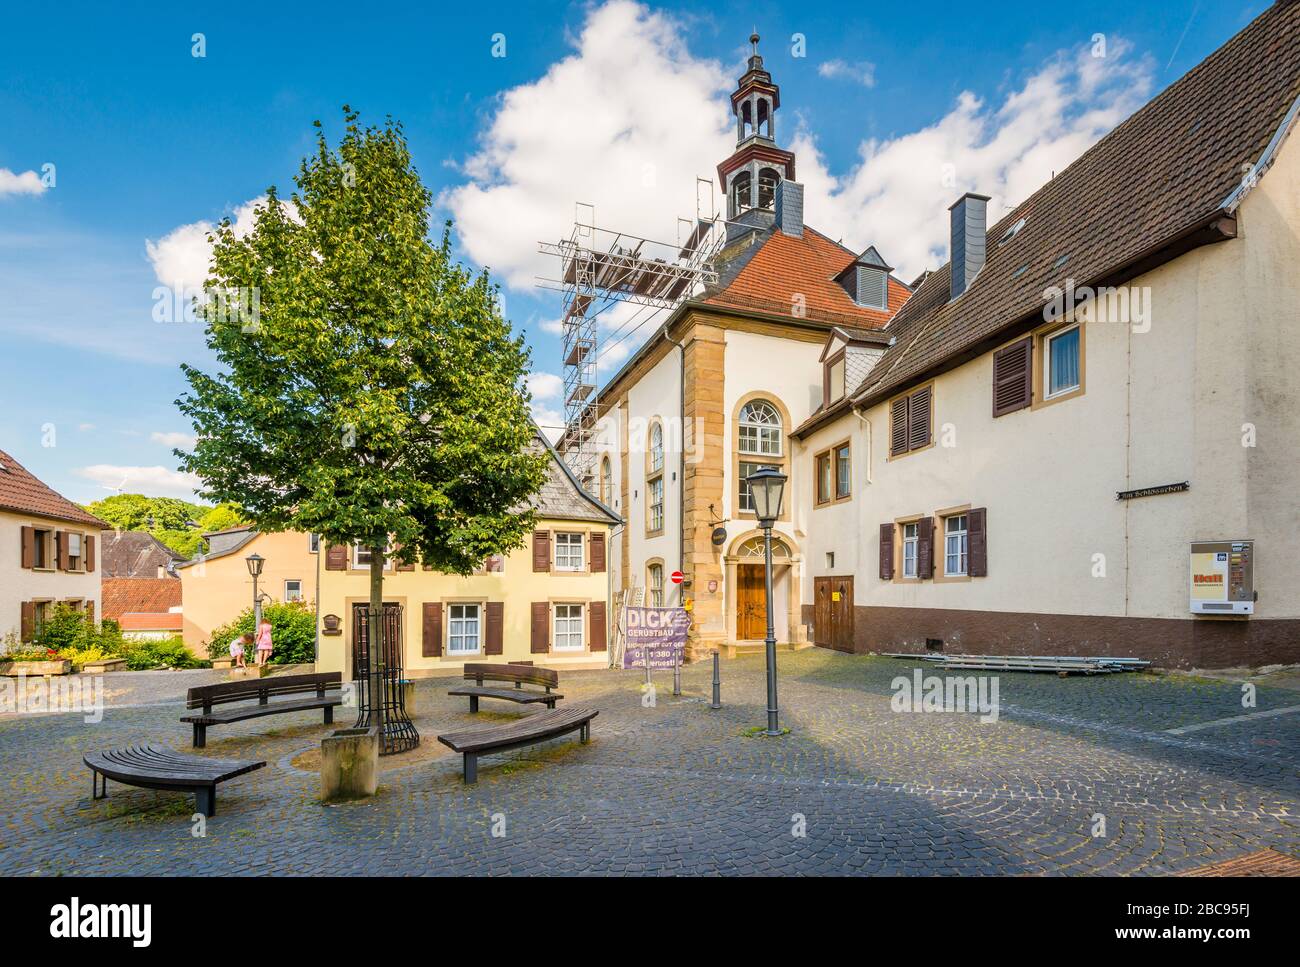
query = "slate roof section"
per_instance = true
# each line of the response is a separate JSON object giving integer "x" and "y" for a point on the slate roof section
{"x": 22, "y": 493}
{"x": 778, "y": 267}
{"x": 120, "y": 596}
{"x": 1158, "y": 184}
{"x": 133, "y": 554}
{"x": 223, "y": 543}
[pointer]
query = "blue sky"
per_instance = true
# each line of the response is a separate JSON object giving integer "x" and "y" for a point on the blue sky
{"x": 616, "y": 104}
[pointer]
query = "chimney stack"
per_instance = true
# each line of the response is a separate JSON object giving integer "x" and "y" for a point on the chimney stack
{"x": 969, "y": 229}
{"x": 789, "y": 207}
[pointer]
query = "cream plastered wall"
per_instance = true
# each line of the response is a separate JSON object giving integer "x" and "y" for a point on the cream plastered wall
{"x": 19, "y": 584}
{"x": 517, "y": 587}
{"x": 657, "y": 395}
{"x": 1161, "y": 406}
{"x": 215, "y": 592}
{"x": 788, "y": 371}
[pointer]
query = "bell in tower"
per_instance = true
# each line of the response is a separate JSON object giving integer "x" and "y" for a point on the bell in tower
{"x": 750, "y": 176}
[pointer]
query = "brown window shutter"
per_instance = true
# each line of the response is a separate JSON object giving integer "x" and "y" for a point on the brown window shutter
{"x": 406, "y": 567}
{"x": 29, "y": 547}
{"x": 1012, "y": 377}
{"x": 336, "y": 557}
{"x": 27, "y": 621}
{"x": 431, "y": 638}
{"x": 596, "y": 611}
{"x": 494, "y": 639}
{"x": 898, "y": 426}
{"x": 918, "y": 419}
{"x": 925, "y": 547}
{"x": 88, "y": 553}
{"x": 60, "y": 550}
{"x": 541, "y": 637}
{"x": 977, "y": 560}
{"x": 541, "y": 631}
{"x": 399, "y": 566}
{"x": 886, "y": 552}
{"x": 541, "y": 550}
{"x": 598, "y": 553}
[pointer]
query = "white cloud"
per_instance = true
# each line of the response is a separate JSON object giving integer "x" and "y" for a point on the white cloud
{"x": 861, "y": 72}
{"x": 184, "y": 441}
{"x": 85, "y": 427}
{"x": 155, "y": 481}
{"x": 181, "y": 257}
{"x": 625, "y": 123}
{"x": 544, "y": 386}
{"x": 897, "y": 196}
{"x": 24, "y": 183}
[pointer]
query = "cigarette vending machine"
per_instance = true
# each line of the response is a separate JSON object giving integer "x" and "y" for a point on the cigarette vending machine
{"x": 1223, "y": 577}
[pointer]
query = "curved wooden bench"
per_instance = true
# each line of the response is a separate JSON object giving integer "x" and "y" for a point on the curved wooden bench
{"x": 157, "y": 767}
{"x": 528, "y": 730}
{"x": 259, "y": 692}
{"x": 519, "y": 674}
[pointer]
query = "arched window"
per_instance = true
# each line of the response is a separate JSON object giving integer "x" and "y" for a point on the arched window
{"x": 746, "y": 121}
{"x": 760, "y": 429}
{"x": 654, "y": 484}
{"x": 763, "y": 126}
{"x": 767, "y": 180}
{"x": 759, "y": 443}
{"x": 655, "y": 584}
{"x": 740, "y": 193}
{"x": 606, "y": 483}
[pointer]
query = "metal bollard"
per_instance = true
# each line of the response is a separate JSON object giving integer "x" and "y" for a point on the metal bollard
{"x": 677, "y": 675}
{"x": 717, "y": 682}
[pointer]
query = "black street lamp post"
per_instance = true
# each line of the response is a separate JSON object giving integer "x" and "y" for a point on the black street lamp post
{"x": 767, "y": 486}
{"x": 255, "y": 562}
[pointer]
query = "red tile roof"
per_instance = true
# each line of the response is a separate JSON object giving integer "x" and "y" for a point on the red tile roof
{"x": 786, "y": 266}
{"x": 1161, "y": 182}
{"x": 123, "y": 595}
{"x": 23, "y": 493}
{"x": 151, "y": 622}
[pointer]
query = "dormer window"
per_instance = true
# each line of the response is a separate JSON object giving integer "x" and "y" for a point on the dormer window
{"x": 866, "y": 280}
{"x": 834, "y": 379}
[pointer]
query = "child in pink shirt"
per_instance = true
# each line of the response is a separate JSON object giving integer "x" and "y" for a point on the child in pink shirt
{"x": 263, "y": 642}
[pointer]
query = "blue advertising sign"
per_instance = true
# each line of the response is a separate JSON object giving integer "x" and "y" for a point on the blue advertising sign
{"x": 658, "y": 632}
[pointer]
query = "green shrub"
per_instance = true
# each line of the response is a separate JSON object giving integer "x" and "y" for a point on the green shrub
{"x": 293, "y": 632}
{"x": 72, "y": 634}
{"x": 142, "y": 655}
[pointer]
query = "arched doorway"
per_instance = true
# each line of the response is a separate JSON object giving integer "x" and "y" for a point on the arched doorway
{"x": 747, "y": 620}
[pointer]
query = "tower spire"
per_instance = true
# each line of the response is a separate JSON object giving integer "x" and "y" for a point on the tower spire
{"x": 750, "y": 176}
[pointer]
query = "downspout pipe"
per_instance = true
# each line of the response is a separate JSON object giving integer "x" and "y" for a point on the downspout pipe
{"x": 681, "y": 461}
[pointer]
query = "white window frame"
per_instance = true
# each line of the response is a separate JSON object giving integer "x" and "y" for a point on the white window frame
{"x": 75, "y": 555}
{"x": 654, "y": 504}
{"x": 745, "y": 496}
{"x": 837, "y": 382}
{"x": 656, "y": 455}
{"x": 569, "y": 617}
{"x": 655, "y": 582}
{"x": 289, "y": 581}
{"x": 962, "y": 552}
{"x": 911, "y": 542}
{"x": 358, "y": 550}
{"x": 1048, "y": 394}
{"x": 465, "y": 623}
{"x": 569, "y": 543}
{"x": 763, "y": 434}
{"x": 313, "y": 543}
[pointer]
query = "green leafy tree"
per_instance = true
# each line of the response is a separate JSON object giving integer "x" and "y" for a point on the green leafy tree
{"x": 375, "y": 394}
{"x": 166, "y": 518}
{"x": 220, "y": 518}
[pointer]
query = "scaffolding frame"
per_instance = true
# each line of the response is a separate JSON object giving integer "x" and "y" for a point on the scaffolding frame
{"x": 602, "y": 267}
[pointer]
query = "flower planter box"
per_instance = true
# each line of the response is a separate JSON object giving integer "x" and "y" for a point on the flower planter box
{"x": 223, "y": 662}
{"x": 59, "y": 666}
{"x": 103, "y": 666}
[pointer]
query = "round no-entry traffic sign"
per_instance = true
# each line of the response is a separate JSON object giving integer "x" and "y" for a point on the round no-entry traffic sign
{"x": 677, "y": 577}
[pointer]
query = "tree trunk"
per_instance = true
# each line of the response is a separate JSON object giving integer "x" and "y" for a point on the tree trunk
{"x": 376, "y": 636}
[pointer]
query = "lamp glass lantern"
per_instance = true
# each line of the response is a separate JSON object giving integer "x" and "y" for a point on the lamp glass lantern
{"x": 767, "y": 489}
{"x": 255, "y": 562}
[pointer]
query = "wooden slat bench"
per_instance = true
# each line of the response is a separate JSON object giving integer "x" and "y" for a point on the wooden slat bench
{"x": 258, "y": 692}
{"x": 157, "y": 767}
{"x": 519, "y": 674}
{"x": 528, "y": 730}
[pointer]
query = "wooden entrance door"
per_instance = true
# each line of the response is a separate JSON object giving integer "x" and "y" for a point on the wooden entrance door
{"x": 751, "y": 606}
{"x": 833, "y": 613}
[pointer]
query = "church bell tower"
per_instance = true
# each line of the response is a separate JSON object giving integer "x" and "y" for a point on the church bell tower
{"x": 750, "y": 176}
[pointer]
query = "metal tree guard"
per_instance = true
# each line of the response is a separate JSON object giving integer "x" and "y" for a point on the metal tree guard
{"x": 399, "y": 732}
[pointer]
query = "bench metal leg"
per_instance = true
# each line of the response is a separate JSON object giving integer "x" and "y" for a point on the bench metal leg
{"x": 550, "y": 703}
{"x": 205, "y": 800}
{"x": 471, "y": 768}
{"x": 584, "y": 733}
{"x": 329, "y": 714}
{"x": 98, "y": 785}
{"x": 473, "y": 703}
{"x": 200, "y": 736}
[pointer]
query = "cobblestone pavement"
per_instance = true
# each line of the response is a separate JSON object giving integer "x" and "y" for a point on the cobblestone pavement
{"x": 680, "y": 788}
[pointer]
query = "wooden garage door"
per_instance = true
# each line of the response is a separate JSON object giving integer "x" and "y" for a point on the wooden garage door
{"x": 833, "y": 613}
